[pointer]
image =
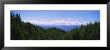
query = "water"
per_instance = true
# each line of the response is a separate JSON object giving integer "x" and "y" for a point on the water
{"x": 63, "y": 27}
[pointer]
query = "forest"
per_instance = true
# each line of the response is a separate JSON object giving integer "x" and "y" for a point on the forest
{"x": 27, "y": 31}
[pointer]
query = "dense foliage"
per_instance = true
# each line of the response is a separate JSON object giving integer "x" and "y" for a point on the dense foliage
{"x": 26, "y": 31}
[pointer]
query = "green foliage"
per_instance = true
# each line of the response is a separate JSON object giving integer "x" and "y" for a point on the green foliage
{"x": 26, "y": 31}
{"x": 54, "y": 33}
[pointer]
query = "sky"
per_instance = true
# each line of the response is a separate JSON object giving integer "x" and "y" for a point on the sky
{"x": 59, "y": 17}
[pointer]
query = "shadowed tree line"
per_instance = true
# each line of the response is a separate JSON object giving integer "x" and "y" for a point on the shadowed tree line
{"x": 26, "y": 31}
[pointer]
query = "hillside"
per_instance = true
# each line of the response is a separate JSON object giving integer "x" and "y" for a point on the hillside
{"x": 27, "y": 31}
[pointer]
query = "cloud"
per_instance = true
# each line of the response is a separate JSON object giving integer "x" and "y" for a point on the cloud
{"x": 56, "y": 22}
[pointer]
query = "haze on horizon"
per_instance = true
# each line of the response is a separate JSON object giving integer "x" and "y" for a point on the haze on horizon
{"x": 59, "y": 17}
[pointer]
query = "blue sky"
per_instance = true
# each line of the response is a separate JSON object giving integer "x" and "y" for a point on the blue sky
{"x": 59, "y": 17}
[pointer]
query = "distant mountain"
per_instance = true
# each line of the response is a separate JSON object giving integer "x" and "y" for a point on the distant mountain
{"x": 63, "y": 27}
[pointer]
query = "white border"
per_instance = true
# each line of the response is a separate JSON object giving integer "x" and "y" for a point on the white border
{"x": 56, "y": 43}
